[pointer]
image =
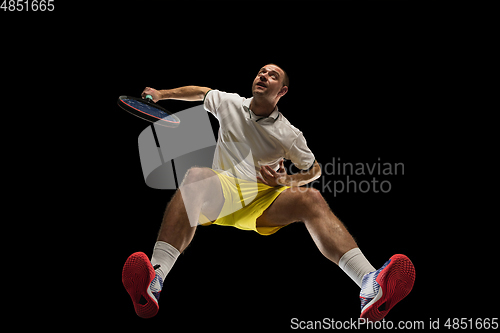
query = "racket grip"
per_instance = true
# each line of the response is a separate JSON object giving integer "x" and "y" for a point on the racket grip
{"x": 149, "y": 98}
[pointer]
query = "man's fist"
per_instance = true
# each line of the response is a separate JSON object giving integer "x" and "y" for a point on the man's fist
{"x": 271, "y": 177}
{"x": 153, "y": 92}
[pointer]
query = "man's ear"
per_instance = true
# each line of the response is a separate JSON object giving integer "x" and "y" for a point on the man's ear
{"x": 283, "y": 91}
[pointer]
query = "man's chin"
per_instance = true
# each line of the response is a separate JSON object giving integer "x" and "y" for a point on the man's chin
{"x": 258, "y": 92}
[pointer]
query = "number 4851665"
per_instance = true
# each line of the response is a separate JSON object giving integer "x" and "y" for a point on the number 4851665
{"x": 27, "y": 5}
{"x": 469, "y": 323}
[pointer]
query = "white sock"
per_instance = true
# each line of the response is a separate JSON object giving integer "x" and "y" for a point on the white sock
{"x": 164, "y": 255}
{"x": 354, "y": 264}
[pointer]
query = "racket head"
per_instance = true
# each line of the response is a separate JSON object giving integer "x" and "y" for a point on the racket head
{"x": 148, "y": 110}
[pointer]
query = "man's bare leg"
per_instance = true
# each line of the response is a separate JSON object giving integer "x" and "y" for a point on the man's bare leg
{"x": 143, "y": 278}
{"x": 380, "y": 289}
{"x": 329, "y": 234}
{"x": 309, "y": 206}
{"x": 202, "y": 188}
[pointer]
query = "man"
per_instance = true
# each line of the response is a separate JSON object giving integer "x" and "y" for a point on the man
{"x": 248, "y": 188}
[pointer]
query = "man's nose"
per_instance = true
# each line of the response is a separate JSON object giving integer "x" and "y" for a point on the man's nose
{"x": 263, "y": 77}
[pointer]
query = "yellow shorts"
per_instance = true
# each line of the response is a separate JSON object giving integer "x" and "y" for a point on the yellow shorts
{"x": 244, "y": 202}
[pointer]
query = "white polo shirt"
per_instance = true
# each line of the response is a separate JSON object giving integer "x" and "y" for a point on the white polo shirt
{"x": 247, "y": 141}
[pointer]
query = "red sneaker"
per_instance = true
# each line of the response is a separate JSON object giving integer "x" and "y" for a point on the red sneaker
{"x": 385, "y": 287}
{"x": 142, "y": 284}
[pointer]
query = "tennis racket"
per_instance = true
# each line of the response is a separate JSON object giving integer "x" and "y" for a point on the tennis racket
{"x": 148, "y": 110}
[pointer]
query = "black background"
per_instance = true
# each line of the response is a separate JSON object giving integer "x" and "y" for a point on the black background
{"x": 367, "y": 81}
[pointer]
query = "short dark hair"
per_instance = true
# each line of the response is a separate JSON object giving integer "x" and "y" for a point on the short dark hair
{"x": 286, "y": 80}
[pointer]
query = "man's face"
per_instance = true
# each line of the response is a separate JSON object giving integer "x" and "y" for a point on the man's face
{"x": 269, "y": 82}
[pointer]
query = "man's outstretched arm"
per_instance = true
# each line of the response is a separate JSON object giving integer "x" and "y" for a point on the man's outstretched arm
{"x": 187, "y": 93}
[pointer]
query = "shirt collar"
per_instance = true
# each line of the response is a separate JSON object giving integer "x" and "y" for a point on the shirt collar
{"x": 274, "y": 115}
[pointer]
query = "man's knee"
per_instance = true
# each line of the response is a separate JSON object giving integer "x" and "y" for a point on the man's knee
{"x": 196, "y": 174}
{"x": 202, "y": 192}
{"x": 310, "y": 202}
{"x": 201, "y": 183}
{"x": 309, "y": 196}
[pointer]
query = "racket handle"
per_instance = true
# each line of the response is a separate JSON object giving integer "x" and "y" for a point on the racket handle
{"x": 149, "y": 98}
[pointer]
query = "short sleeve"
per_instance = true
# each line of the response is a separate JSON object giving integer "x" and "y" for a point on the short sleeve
{"x": 212, "y": 101}
{"x": 300, "y": 154}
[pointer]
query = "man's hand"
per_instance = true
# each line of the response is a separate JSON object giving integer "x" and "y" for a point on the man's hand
{"x": 271, "y": 177}
{"x": 281, "y": 178}
{"x": 187, "y": 93}
{"x": 153, "y": 92}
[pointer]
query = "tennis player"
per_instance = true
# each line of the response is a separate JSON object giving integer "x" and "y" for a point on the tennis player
{"x": 248, "y": 188}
